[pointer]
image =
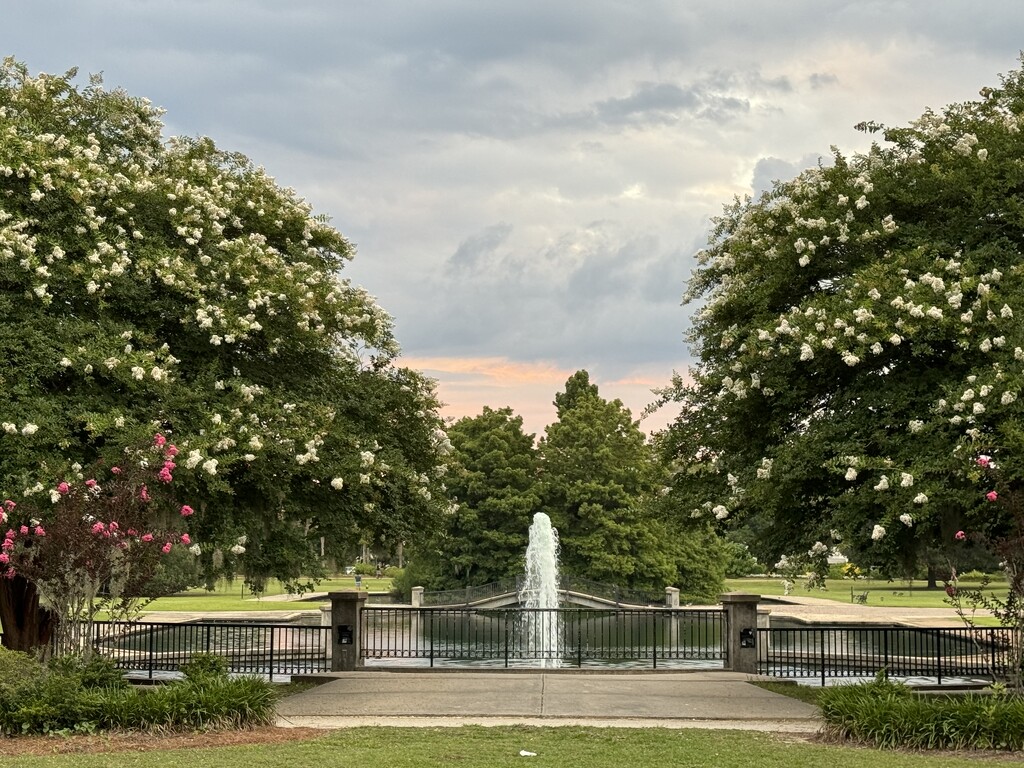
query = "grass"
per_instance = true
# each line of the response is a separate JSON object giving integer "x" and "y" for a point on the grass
{"x": 880, "y": 592}
{"x": 804, "y": 693}
{"x": 476, "y": 747}
{"x": 234, "y": 596}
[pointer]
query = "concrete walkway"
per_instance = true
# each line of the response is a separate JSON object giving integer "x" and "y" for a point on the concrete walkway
{"x": 816, "y": 610}
{"x": 663, "y": 699}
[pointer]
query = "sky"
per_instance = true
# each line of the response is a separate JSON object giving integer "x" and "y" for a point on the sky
{"x": 527, "y": 183}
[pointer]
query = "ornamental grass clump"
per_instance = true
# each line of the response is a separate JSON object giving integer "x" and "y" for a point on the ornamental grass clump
{"x": 74, "y": 696}
{"x": 889, "y": 715}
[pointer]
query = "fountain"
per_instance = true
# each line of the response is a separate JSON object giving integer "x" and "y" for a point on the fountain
{"x": 539, "y": 592}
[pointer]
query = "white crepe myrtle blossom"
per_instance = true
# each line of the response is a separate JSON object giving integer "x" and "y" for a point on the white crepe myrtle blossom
{"x": 877, "y": 533}
{"x": 851, "y": 474}
{"x": 883, "y": 484}
{"x": 906, "y": 519}
{"x": 906, "y": 480}
{"x": 921, "y": 498}
{"x": 337, "y": 483}
{"x": 720, "y": 512}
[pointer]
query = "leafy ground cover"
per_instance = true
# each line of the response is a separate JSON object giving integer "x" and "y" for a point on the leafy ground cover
{"x": 467, "y": 747}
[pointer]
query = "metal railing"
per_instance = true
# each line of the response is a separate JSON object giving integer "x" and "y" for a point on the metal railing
{"x": 249, "y": 648}
{"x": 823, "y": 652}
{"x": 570, "y": 636}
{"x": 610, "y": 592}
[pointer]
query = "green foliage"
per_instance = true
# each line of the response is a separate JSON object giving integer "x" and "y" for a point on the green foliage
{"x": 96, "y": 671}
{"x": 494, "y": 489}
{"x": 18, "y": 671}
{"x": 860, "y": 343}
{"x": 204, "y": 665}
{"x": 738, "y": 560}
{"x": 60, "y": 703}
{"x": 886, "y": 714}
{"x": 148, "y": 281}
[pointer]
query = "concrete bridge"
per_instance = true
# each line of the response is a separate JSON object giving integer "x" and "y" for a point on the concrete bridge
{"x": 567, "y": 598}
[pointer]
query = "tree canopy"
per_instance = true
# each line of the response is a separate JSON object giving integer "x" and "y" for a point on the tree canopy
{"x": 860, "y": 341}
{"x": 166, "y": 284}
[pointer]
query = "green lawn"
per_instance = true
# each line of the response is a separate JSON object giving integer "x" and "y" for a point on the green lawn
{"x": 234, "y": 596}
{"x": 480, "y": 747}
{"x": 880, "y": 592}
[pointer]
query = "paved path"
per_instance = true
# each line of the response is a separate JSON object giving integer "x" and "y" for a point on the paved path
{"x": 663, "y": 699}
{"x": 819, "y": 610}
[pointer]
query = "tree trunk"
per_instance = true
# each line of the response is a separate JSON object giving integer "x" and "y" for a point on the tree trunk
{"x": 933, "y": 576}
{"x": 26, "y": 624}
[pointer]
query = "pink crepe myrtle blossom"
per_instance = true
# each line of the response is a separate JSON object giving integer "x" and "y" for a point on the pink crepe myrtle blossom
{"x": 164, "y": 475}
{"x": 186, "y": 539}
{"x": 98, "y": 527}
{"x": 147, "y": 537}
{"x": 984, "y": 461}
{"x": 144, "y": 493}
{"x": 90, "y": 483}
{"x": 991, "y": 495}
{"x": 9, "y": 505}
{"x": 159, "y": 440}
{"x": 4, "y": 558}
{"x": 115, "y": 470}
{"x": 186, "y": 510}
{"x": 172, "y": 451}
{"x": 132, "y": 532}
{"x": 39, "y": 531}
{"x": 166, "y": 548}
{"x": 7, "y": 545}
{"x": 960, "y": 536}
{"x": 63, "y": 488}
{"x": 23, "y": 530}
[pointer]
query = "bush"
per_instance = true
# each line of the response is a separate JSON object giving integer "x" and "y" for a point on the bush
{"x": 738, "y": 560}
{"x": 18, "y": 670}
{"x": 365, "y": 569}
{"x": 97, "y": 672}
{"x": 889, "y": 715}
{"x": 75, "y": 696}
{"x": 204, "y": 665}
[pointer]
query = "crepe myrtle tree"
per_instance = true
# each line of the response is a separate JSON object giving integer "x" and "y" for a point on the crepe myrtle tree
{"x": 94, "y": 538}
{"x": 151, "y": 284}
{"x": 859, "y": 340}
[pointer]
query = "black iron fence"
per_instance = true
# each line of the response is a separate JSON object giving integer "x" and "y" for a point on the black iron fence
{"x": 249, "y": 648}
{"x": 823, "y": 652}
{"x": 568, "y": 636}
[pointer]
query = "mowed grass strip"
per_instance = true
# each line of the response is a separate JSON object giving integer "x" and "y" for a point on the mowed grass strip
{"x": 234, "y": 596}
{"x": 880, "y": 592}
{"x": 476, "y": 746}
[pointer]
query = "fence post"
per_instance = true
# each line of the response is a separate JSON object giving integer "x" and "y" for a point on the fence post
{"x": 417, "y": 597}
{"x": 346, "y": 629}
{"x": 270, "y": 661}
{"x": 741, "y": 625}
{"x": 938, "y": 655}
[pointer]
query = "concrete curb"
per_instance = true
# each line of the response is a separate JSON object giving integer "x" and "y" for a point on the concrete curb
{"x": 805, "y": 726}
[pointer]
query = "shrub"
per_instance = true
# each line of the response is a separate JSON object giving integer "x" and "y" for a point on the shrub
{"x": 73, "y": 696}
{"x": 96, "y": 672}
{"x": 365, "y": 569}
{"x": 18, "y": 670}
{"x": 889, "y": 715}
{"x": 204, "y": 665}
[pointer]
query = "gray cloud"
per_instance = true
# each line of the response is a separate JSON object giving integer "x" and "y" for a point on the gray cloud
{"x": 528, "y": 180}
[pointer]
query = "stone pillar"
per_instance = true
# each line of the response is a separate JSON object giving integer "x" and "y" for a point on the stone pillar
{"x": 417, "y": 597}
{"x": 741, "y": 629}
{"x": 671, "y": 597}
{"x": 346, "y": 642}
